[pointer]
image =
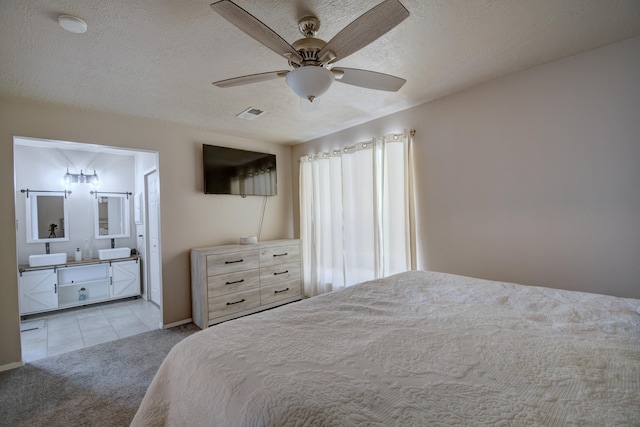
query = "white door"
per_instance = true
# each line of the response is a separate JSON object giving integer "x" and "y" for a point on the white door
{"x": 154, "y": 272}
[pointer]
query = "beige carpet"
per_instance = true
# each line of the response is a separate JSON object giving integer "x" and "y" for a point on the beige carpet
{"x": 101, "y": 385}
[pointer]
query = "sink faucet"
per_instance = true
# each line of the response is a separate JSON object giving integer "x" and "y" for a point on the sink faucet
{"x": 47, "y": 249}
{"x": 113, "y": 243}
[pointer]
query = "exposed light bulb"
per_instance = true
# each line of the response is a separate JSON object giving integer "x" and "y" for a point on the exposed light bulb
{"x": 94, "y": 179}
{"x": 67, "y": 178}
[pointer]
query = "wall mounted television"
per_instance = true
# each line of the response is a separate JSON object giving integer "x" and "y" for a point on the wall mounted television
{"x": 241, "y": 172}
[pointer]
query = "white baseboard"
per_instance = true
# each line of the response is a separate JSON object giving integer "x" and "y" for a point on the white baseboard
{"x": 10, "y": 366}
{"x": 174, "y": 324}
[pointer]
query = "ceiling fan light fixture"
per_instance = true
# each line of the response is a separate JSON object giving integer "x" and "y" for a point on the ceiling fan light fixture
{"x": 309, "y": 82}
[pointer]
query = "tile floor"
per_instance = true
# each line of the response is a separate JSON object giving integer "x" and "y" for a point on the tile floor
{"x": 86, "y": 326}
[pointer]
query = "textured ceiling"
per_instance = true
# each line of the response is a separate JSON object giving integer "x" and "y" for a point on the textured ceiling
{"x": 157, "y": 58}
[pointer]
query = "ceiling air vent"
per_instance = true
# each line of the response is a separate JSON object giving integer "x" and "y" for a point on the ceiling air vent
{"x": 251, "y": 113}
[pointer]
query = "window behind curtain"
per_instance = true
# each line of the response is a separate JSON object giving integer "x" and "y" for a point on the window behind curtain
{"x": 354, "y": 213}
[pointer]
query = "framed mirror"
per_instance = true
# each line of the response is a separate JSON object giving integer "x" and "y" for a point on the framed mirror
{"x": 111, "y": 216}
{"x": 47, "y": 217}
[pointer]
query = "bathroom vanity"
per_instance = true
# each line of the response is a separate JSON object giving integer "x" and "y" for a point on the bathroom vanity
{"x": 51, "y": 281}
{"x": 77, "y": 283}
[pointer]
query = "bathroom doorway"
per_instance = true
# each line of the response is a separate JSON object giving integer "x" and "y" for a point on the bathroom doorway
{"x": 43, "y": 165}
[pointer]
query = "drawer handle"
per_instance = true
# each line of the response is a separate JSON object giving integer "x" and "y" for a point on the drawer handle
{"x": 277, "y": 292}
{"x": 233, "y": 262}
{"x": 233, "y": 283}
{"x": 282, "y": 272}
{"x": 236, "y": 302}
{"x": 284, "y": 254}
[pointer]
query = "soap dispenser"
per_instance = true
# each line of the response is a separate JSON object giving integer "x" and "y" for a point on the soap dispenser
{"x": 78, "y": 254}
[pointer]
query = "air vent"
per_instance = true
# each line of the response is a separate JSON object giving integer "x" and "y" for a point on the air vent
{"x": 251, "y": 113}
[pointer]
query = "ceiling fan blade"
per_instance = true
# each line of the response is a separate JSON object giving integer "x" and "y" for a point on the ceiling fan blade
{"x": 253, "y": 27}
{"x": 252, "y": 78}
{"x": 365, "y": 29}
{"x": 368, "y": 79}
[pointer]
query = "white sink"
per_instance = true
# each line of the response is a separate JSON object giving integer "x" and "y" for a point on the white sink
{"x": 47, "y": 259}
{"x": 114, "y": 253}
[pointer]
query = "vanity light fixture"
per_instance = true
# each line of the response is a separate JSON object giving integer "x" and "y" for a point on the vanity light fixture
{"x": 81, "y": 178}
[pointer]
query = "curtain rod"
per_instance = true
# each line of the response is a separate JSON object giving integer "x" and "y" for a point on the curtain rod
{"x": 336, "y": 151}
{"x": 128, "y": 193}
{"x": 45, "y": 191}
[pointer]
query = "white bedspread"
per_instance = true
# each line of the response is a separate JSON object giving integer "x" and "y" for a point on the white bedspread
{"x": 417, "y": 348}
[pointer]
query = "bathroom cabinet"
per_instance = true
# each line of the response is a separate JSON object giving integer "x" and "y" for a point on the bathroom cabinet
{"x": 84, "y": 284}
{"x": 77, "y": 283}
{"x": 38, "y": 291}
{"x": 125, "y": 279}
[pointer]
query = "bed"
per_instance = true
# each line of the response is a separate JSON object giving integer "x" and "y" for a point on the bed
{"x": 418, "y": 348}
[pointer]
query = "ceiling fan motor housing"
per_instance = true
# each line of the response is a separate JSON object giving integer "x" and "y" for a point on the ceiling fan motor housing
{"x": 308, "y": 49}
{"x": 309, "y": 26}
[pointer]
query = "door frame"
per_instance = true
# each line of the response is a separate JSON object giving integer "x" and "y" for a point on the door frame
{"x": 148, "y": 241}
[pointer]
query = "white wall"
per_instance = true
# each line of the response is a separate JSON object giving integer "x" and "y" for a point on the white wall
{"x": 41, "y": 168}
{"x": 532, "y": 178}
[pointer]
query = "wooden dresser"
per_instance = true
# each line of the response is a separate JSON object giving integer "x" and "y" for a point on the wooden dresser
{"x": 235, "y": 280}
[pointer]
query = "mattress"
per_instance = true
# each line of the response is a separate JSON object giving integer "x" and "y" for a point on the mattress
{"x": 418, "y": 348}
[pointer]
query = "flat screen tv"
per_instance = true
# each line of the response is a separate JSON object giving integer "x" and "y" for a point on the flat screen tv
{"x": 241, "y": 172}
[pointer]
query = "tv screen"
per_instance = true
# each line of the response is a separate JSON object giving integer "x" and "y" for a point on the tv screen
{"x": 241, "y": 172}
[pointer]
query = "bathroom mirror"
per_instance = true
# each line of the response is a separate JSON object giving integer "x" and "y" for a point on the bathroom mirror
{"x": 47, "y": 218}
{"x": 111, "y": 216}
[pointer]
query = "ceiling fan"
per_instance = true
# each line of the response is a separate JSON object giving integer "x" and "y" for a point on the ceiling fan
{"x": 311, "y": 59}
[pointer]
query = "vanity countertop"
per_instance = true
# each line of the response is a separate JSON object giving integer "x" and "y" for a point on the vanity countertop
{"x": 70, "y": 263}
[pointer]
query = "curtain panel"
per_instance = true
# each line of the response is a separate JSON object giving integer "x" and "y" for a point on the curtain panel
{"x": 356, "y": 213}
{"x": 261, "y": 183}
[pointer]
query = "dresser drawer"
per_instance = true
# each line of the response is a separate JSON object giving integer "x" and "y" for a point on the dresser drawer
{"x": 233, "y": 282}
{"x": 279, "y": 273}
{"x": 280, "y": 291}
{"x": 233, "y": 303}
{"x": 232, "y": 261}
{"x": 282, "y": 254}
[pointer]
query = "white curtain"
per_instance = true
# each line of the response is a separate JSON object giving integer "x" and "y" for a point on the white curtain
{"x": 355, "y": 206}
{"x": 261, "y": 183}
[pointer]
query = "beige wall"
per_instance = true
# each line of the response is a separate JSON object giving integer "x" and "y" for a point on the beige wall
{"x": 533, "y": 178}
{"x": 189, "y": 218}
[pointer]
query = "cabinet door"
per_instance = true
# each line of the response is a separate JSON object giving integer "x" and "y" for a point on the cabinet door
{"x": 125, "y": 279}
{"x": 38, "y": 291}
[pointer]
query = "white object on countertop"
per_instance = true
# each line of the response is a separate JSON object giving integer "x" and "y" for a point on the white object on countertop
{"x": 248, "y": 240}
